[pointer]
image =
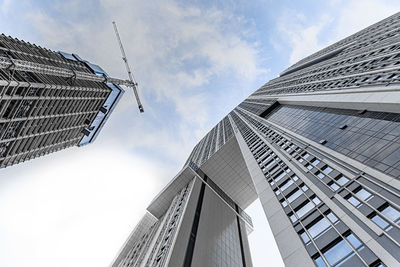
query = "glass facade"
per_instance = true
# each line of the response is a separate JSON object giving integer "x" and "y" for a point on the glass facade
{"x": 372, "y": 138}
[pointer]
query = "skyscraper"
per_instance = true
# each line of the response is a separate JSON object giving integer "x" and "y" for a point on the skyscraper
{"x": 319, "y": 146}
{"x": 49, "y": 100}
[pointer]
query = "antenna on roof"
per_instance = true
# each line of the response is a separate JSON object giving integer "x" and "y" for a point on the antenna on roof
{"x": 128, "y": 69}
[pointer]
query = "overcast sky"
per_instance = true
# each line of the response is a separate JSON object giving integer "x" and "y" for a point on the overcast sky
{"x": 194, "y": 61}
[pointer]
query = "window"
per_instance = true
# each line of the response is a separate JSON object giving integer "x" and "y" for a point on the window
{"x": 294, "y": 195}
{"x": 353, "y": 201}
{"x": 332, "y": 217}
{"x": 309, "y": 166}
{"x": 315, "y": 162}
{"x": 280, "y": 176}
{"x": 392, "y": 214}
{"x": 363, "y": 194}
{"x": 327, "y": 170}
{"x": 320, "y": 175}
{"x": 319, "y": 228}
{"x": 379, "y": 221}
{"x": 306, "y": 208}
{"x": 334, "y": 186}
{"x": 269, "y": 164}
{"x": 340, "y": 252}
{"x": 342, "y": 179}
{"x": 286, "y": 185}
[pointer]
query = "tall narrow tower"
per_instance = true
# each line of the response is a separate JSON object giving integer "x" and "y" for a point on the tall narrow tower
{"x": 319, "y": 146}
{"x": 49, "y": 100}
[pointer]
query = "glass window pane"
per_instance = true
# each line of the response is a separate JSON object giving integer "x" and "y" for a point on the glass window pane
{"x": 391, "y": 213}
{"x": 353, "y": 241}
{"x": 337, "y": 252}
{"x": 342, "y": 179}
{"x": 286, "y": 185}
{"x": 363, "y": 194}
{"x": 320, "y": 175}
{"x": 332, "y": 217}
{"x": 316, "y": 200}
{"x": 306, "y": 208}
{"x": 320, "y": 262}
{"x": 327, "y": 170}
{"x": 379, "y": 221}
{"x": 315, "y": 162}
{"x": 319, "y": 227}
{"x": 334, "y": 186}
{"x": 353, "y": 201}
{"x": 305, "y": 238}
{"x": 281, "y": 175}
{"x": 294, "y": 196}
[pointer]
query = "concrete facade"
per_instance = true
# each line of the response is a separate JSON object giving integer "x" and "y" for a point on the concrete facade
{"x": 49, "y": 101}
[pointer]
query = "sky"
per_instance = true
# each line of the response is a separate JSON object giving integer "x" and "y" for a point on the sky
{"x": 194, "y": 62}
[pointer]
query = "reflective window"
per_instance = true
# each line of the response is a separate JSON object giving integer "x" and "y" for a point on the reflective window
{"x": 337, "y": 252}
{"x": 269, "y": 164}
{"x": 392, "y": 214}
{"x": 309, "y": 166}
{"x": 295, "y": 195}
{"x": 341, "y": 252}
{"x": 327, "y": 170}
{"x": 332, "y": 217}
{"x": 334, "y": 186}
{"x": 280, "y": 176}
{"x": 320, "y": 262}
{"x": 306, "y": 208}
{"x": 320, "y": 175}
{"x": 318, "y": 228}
{"x": 354, "y": 201}
{"x": 359, "y": 140}
{"x": 315, "y": 162}
{"x": 363, "y": 194}
{"x": 379, "y": 221}
{"x": 286, "y": 185}
{"x": 342, "y": 179}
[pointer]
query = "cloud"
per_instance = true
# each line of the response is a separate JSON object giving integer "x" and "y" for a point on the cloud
{"x": 305, "y": 35}
{"x": 176, "y": 51}
{"x": 81, "y": 203}
{"x": 78, "y": 200}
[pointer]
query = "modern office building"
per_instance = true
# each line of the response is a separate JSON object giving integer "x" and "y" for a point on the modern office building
{"x": 319, "y": 146}
{"x": 49, "y": 100}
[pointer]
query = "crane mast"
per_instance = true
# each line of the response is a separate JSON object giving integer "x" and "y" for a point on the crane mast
{"x": 128, "y": 69}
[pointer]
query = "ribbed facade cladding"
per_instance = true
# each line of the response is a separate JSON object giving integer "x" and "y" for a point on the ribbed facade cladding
{"x": 211, "y": 143}
{"x": 41, "y": 113}
{"x": 370, "y": 57}
{"x": 321, "y": 146}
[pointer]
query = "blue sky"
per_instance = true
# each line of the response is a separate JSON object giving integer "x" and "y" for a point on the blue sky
{"x": 194, "y": 61}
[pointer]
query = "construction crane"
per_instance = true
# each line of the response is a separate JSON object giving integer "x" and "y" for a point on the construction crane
{"x": 128, "y": 69}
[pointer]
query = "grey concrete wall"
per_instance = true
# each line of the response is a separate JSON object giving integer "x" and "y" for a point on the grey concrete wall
{"x": 289, "y": 244}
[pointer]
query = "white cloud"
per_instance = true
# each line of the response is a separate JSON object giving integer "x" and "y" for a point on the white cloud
{"x": 73, "y": 205}
{"x": 303, "y": 35}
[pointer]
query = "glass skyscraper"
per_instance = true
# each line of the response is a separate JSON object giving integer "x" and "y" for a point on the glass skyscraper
{"x": 319, "y": 146}
{"x": 49, "y": 100}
